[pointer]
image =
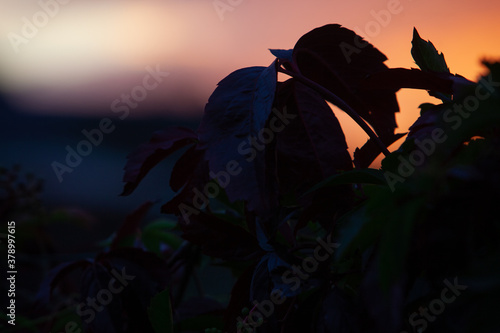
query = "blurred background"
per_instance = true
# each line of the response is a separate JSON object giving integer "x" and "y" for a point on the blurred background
{"x": 66, "y": 65}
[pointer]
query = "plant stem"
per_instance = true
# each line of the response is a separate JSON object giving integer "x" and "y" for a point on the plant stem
{"x": 189, "y": 268}
{"x": 331, "y": 97}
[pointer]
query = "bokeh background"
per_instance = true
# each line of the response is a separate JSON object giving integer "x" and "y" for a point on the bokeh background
{"x": 65, "y": 76}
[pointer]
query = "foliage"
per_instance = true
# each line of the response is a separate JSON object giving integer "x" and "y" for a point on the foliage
{"x": 317, "y": 240}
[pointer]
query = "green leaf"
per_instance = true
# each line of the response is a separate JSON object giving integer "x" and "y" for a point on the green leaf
{"x": 426, "y": 56}
{"x": 356, "y": 233}
{"x": 361, "y": 228}
{"x": 429, "y": 60}
{"x": 69, "y": 322}
{"x": 107, "y": 241}
{"x": 23, "y": 324}
{"x": 396, "y": 239}
{"x": 152, "y": 239}
{"x": 238, "y": 207}
{"x": 160, "y": 313}
{"x": 160, "y": 231}
{"x": 162, "y": 224}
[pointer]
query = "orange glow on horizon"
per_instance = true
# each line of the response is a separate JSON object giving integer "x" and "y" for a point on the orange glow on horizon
{"x": 89, "y": 45}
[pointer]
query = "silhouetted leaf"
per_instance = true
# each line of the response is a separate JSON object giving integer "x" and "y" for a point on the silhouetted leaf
{"x": 195, "y": 176}
{"x": 283, "y": 178}
{"x": 262, "y": 237}
{"x": 426, "y": 56}
{"x": 356, "y": 176}
{"x": 128, "y": 232}
{"x": 396, "y": 239}
{"x": 283, "y": 54}
{"x": 236, "y": 112}
{"x": 260, "y": 286}
{"x": 240, "y": 298}
{"x": 142, "y": 274}
{"x": 285, "y": 57}
{"x": 55, "y": 276}
{"x": 312, "y": 146}
{"x": 134, "y": 276}
{"x": 144, "y": 158}
{"x": 190, "y": 173}
{"x": 185, "y": 168}
{"x": 160, "y": 313}
{"x": 198, "y": 314}
{"x": 309, "y": 149}
{"x": 157, "y": 233}
{"x": 338, "y": 59}
{"x": 219, "y": 238}
{"x": 429, "y": 60}
{"x": 338, "y": 314}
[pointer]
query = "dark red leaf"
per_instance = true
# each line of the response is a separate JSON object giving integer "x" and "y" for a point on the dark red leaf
{"x": 135, "y": 276}
{"x": 185, "y": 168}
{"x": 338, "y": 59}
{"x": 141, "y": 274}
{"x": 143, "y": 159}
{"x": 191, "y": 198}
{"x": 55, "y": 276}
{"x": 130, "y": 227}
{"x": 312, "y": 147}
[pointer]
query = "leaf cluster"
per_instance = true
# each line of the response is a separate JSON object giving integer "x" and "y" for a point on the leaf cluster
{"x": 266, "y": 181}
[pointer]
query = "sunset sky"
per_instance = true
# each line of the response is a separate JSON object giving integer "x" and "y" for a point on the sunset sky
{"x": 89, "y": 52}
